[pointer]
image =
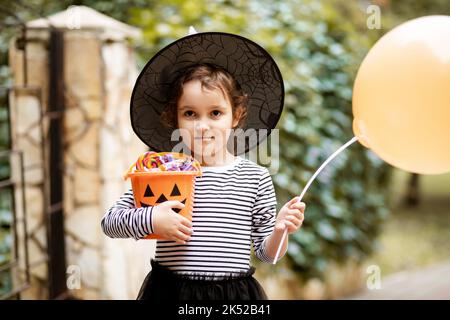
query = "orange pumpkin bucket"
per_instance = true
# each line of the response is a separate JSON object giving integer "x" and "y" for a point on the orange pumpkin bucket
{"x": 151, "y": 188}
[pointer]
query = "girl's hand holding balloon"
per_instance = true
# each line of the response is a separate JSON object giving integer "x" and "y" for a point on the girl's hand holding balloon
{"x": 291, "y": 216}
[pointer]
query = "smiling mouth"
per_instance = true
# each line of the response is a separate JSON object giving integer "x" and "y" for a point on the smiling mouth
{"x": 204, "y": 138}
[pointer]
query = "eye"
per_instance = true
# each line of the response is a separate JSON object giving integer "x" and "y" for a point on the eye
{"x": 189, "y": 113}
{"x": 175, "y": 191}
{"x": 216, "y": 113}
{"x": 148, "y": 192}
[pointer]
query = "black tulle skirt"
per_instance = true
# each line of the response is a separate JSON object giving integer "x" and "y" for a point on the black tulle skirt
{"x": 164, "y": 284}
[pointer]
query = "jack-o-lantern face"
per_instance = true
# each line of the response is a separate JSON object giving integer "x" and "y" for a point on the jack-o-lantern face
{"x": 173, "y": 194}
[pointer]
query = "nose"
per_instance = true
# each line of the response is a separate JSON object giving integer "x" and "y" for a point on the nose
{"x": 201, "y": 127}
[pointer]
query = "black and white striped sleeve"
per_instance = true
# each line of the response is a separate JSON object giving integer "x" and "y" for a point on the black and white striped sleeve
{"x": 263, "y": 215}
{"x": 124, "y": 220}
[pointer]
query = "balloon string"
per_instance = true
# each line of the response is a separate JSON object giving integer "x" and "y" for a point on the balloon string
{"x": 342, "y": 148}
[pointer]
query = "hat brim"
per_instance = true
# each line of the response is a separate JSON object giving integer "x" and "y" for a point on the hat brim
{"x": 250, "y": 64}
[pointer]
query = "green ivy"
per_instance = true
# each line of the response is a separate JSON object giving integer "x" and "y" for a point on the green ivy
{"x": 319, "y": 53}
{"x": 5, "y": 200}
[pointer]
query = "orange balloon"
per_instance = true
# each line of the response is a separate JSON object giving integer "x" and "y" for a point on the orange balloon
{"x": 401, "y": 96}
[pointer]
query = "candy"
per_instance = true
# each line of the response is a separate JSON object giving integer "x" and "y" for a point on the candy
{"x": 164, "y": 161}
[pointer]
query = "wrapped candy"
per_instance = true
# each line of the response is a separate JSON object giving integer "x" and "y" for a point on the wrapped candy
{"x": 163, "y": 161}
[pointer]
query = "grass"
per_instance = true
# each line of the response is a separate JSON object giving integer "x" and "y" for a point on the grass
{"x": 416, "y": 237}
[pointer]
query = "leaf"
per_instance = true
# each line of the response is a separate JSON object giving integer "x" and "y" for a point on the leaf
{"x": 326, "y": 230}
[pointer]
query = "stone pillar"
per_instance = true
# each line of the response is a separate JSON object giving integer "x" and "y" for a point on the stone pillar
{"x": 99, "y": 145}
{"x": 26, "y": 107}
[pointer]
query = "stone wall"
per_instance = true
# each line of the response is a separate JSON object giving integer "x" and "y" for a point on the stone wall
{"x": 98, "y": 146}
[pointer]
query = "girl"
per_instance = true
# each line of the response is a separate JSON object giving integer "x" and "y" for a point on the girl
{"x": 234, "y": 204}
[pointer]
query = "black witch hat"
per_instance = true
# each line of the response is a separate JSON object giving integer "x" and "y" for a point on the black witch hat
{"x": 252, "y": 67}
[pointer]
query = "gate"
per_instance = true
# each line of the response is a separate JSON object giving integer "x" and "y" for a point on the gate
{"x": 46, "y": 236}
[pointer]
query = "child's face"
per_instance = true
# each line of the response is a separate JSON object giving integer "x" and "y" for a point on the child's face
{"x": 206, "y": 117}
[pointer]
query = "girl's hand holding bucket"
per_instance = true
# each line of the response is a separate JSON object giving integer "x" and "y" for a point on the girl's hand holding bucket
{"x": 169, "y": 224}
{"x": 166, "y": 182}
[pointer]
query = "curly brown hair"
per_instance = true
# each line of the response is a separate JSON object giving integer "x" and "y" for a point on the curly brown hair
{"x": 210, "y": 77}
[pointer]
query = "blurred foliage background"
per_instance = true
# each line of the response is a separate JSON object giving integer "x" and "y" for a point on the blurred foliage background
{"x": 318, "y": 46}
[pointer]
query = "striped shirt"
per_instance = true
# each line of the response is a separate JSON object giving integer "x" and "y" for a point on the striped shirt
{"x": 234, "y": 207}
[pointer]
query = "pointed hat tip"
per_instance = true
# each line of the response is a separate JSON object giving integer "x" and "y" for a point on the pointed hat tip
{"x": 192, "y": 30}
